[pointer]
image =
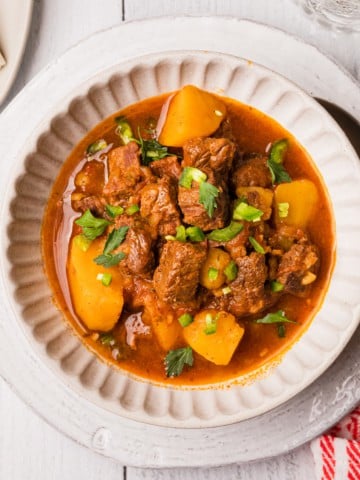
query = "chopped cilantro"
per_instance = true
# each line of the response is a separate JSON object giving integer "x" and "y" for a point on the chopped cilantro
{"x": 175, "y": 361}
{"x": 92, "y": 227}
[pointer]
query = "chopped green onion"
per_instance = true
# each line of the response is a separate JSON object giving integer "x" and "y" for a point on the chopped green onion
{"x": 96, "y": 147}
{"x": 283, "y": 209}
{"x": 124, "y": 130}
{"x": 175, "y": 361}
{"x": 82, "y": 242}
{"x": 208, "y": 193}
{"x": 211, "y": 324}
{"x": 277, "y": 317}
{"x": 107, "y": 339}
{"x": 190, "y": 174}
{"x": 195, "y": 234}
{"x": 226, "y": 290}
{"x": 180, "y": 233}
{"x": 243, "y": 211}
{"x": 105, "y": 278}
{"x": 276, "y": 286}
{"x": 257, "y": 247}
{"x": 114, "y": 210}
{"x": 275, "y": 162}
{"x": 132, "y": 209}
{"x": 231, "y": 271}
{"x": 278, "y": 150}
{"x": 92, "y": 227}
{"x": 213, "y": 273}
{"x": 281, "y": 330}
{"x": 227, "y": 233}
{"x": 185, "y": 319}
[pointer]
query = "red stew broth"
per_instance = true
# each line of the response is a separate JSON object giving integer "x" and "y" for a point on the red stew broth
{"x": 261, "y": 344}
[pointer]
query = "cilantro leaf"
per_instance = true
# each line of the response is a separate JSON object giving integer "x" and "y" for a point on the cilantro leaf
{"x": 275, "y": 162}
{"x": 208, "y": 194}
{"x": 278, "y": 173}
{"x": 151, "y": 150}
{"x": 109, "y": 260}
{"x": 175, "y": 361}
{"x": 116, "y": 237}
{"x": 92, "y": 227}
{"x": 277, "y": 317}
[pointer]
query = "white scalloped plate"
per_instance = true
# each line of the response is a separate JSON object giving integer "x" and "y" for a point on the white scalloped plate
{"x": 38, "y": 163}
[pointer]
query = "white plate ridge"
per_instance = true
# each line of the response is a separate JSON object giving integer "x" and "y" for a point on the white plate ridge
{"x": 114, "y": 436}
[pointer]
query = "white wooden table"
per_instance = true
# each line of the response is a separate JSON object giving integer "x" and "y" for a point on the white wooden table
{"x": 29, "y": 448}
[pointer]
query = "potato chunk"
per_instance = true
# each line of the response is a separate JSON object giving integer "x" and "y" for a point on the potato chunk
{"x": 301, "y": 197}
{"x": 98, "y": 306}
{"x": 212, "y": 274}
{"x": 217, "y": 347}
{"x": 190, "y": 113}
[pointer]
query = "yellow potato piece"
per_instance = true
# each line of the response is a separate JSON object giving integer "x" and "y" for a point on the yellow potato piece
{"x": 217, "y": 347}
{"x": 190, "y": 113}
{"x": 98, "y": 306}
{"x": 167, "y": 334}
{"x": 218, "y": 260}
{"x": 302, "y": 196}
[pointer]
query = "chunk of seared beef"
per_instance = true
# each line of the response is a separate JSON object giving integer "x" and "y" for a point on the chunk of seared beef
{"x": 137, "y": 246}
{"x": 176, "y": 279}
{"x": 80, "y": 203}
{"x": 124, "y": 170}
{"x": 247, "y": 290}
{"x": 213, "y": 156}
{"x": 89, "y": 183}
{"x": 298, "y": 268}
{"x": 250, "y": 171}
{"x": 158, "y": 206}
{"x": 195, "y": 213}
{"x": 167, "y": 167}
{"x": 225, "y": 131}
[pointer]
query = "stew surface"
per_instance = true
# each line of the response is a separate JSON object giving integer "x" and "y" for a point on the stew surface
{"x": 189, "y": 239}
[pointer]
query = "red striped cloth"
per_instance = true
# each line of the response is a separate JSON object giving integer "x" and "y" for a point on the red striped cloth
{"x": 337, "y": 453}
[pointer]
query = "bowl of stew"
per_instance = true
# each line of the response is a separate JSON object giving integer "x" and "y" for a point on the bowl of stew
{"x": 185, "y": 208}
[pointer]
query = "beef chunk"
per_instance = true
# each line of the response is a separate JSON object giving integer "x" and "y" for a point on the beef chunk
{"x": 298, "y": 267}
{"x": 177, "y": 277}
{"x": 251, "y": 171}
{"x": 137, "y": 245}
{"x": 81, "y": 203}
{"x": 247, "y": 290}
{"x": 195, "y": 213}
{"x": 213, "y": 156}
{"x": 158, "y": 206}
{"x": 89, "y": 183}
{"x": 167, "y": 167}
{"x": 124, "y": 170}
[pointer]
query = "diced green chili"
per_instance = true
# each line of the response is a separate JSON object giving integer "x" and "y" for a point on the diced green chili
{"x": 227, "y": 233}
{"x": 185, "y": 319}
{"x": 231, "y": 271}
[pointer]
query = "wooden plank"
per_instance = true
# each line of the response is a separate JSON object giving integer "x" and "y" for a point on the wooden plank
{"x": 31, "y": 449}
{"x": 283, "y": 14}
{"x": 296, "y": 465}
